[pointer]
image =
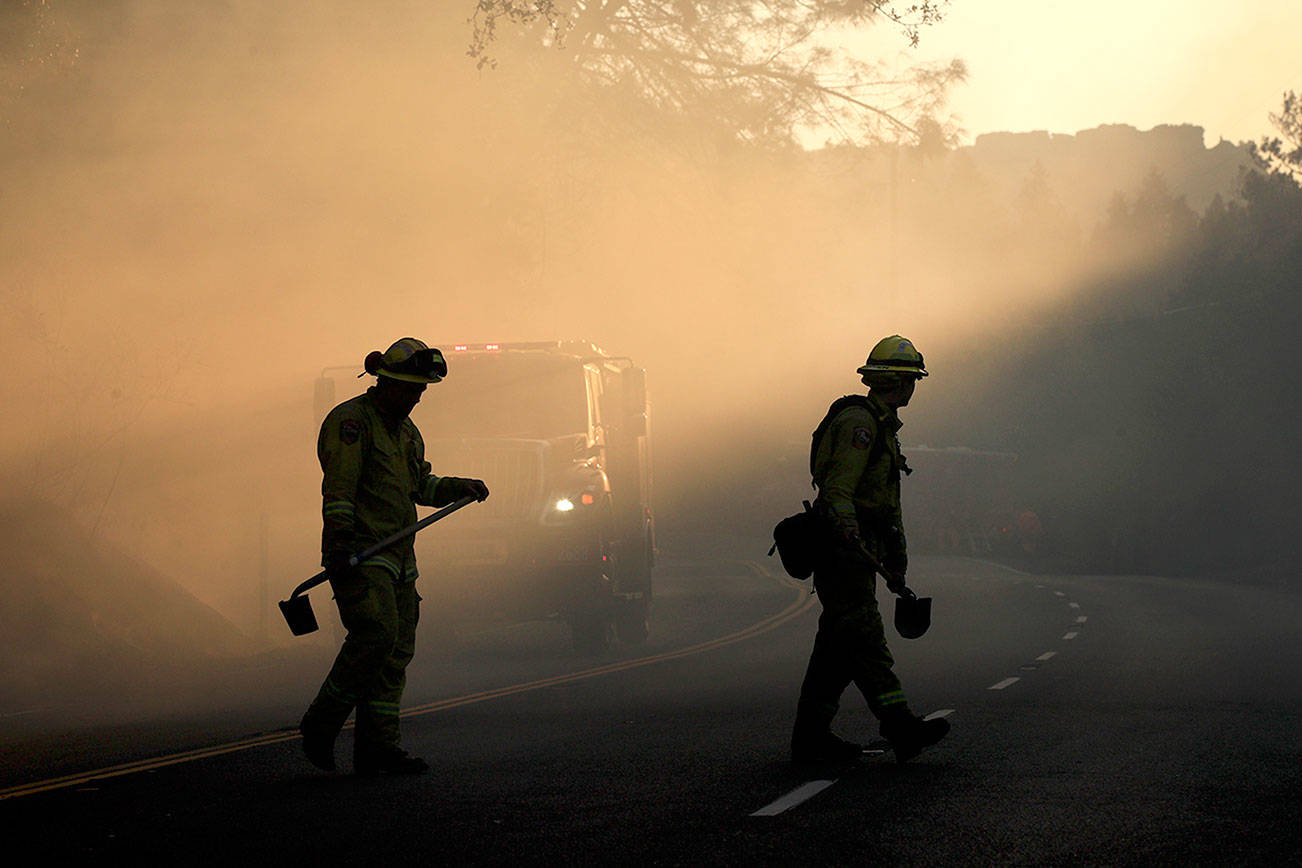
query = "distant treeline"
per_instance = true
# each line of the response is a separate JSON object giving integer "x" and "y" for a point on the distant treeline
{"x": 1118, "y": 309}
{"x": 1157, "y": 418}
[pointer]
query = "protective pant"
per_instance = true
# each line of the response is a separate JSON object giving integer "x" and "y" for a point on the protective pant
{"x": 850, "y": 647}
{"x": 380, "y": 614}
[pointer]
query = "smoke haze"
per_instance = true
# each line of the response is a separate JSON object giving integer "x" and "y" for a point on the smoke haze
{"x": 206, "y": 204}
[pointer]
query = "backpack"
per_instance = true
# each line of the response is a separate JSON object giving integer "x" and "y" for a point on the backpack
{"x": 873, "y": 451}
{"x": 832, "y": 412}
{"x": 800, "y": 539}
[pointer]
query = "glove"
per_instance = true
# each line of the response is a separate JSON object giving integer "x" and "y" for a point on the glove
{"x": 339, "y": 562}
{"x": 345, "y": 579}
{"x": 474, "y": 488}
{"x": 337, "y": 565}
{"x": 895, "y": 583}
{"x": 848, "y": 539}
{"x": 858, "y": 549}
{"x": 453, "y": 488}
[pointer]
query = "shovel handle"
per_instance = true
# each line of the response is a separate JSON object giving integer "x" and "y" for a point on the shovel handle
{"x": 383, "y": 544}
{"x": 877, "y": 567}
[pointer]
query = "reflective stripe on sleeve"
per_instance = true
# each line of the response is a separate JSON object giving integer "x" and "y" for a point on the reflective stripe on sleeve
{"x": 895, "y": 697}
{"x": 338, "y": 507}
{"x": 383, "y": 562}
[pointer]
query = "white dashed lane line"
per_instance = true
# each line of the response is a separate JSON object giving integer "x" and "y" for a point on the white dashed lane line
{"x": 1047, "y": 655}
{"x": 809, "y": 789}
{"x": 800, "y": 794}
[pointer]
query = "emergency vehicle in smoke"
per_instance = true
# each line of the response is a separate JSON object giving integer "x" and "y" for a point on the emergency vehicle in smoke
{"x": 559, "y": 430}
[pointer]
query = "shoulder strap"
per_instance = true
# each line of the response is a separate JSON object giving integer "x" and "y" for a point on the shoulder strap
{"x": 842, "y": 403}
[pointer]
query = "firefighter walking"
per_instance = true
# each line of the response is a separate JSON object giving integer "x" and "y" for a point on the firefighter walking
{"x": 374, "y": 474}
{"x": 856, "y": 464}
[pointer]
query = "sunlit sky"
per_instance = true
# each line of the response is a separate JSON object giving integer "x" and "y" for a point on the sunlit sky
{"x": 1067, "y": 66}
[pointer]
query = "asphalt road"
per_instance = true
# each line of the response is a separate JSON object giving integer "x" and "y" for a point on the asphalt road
{"x": 1096, "y": 720}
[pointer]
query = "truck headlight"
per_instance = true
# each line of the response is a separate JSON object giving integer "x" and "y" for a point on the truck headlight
{"x": 564, "y": 505}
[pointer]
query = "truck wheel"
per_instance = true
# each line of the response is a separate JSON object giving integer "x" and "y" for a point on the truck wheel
{"x": 591, "y": 631}
{"x": 630, "y": 622}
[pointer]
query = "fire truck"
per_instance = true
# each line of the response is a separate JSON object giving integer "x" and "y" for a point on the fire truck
{"x": 560, "y": 432}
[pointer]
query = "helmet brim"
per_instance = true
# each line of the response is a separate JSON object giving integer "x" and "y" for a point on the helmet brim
{"x": 893, "y": 369}
{"x": 408, "y": 378}
{"x": 425, "y": 365}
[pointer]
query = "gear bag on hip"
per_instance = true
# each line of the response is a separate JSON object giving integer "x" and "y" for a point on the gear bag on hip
{"x": 797, "y": 539}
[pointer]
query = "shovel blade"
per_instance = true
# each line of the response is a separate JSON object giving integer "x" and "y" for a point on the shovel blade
{"x": 912, "y": 617}
{"x": 298, "y": 615}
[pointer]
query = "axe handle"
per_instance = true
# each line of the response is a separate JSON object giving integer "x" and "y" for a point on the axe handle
{"x": 386, "y": 542}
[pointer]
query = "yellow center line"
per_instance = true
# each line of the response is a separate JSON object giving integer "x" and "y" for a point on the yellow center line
{"x": 802, "y": 602}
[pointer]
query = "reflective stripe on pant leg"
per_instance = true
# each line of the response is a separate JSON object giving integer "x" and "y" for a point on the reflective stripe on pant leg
{"x": 826, "y": 678}
{"x": 367, "y": 610}
{"x": 872, "y": 663}
{"x": 335, "y": 692}
{"x": 874, "y": 676}
{"x": 856, "y": 635}
{"x": 377, "y": 716}
{"x": 895, "y": 697}
{"x": 381, "y": 707}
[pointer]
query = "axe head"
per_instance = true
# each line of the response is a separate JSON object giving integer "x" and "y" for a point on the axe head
{"x": 298, "y": 615}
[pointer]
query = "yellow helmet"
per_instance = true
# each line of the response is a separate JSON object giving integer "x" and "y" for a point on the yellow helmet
{"x": 409, "y": 360}
{"x": 894, "y": 355}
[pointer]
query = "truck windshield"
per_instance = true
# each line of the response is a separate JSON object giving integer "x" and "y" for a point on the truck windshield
{"x": 529, "y": 396}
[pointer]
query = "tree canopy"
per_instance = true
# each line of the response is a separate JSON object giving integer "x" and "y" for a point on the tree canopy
{"x": 1282, "y": 154}
{"x": 765, "y": 71}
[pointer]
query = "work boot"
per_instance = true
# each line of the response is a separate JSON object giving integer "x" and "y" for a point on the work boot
{"x": 909, "y": 734}
{"x": 319, "y": 730}
{"x": 386, "y": 759}
{"x": 823, "y": 747}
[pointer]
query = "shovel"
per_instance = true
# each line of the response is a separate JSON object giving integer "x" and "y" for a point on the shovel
{"x": 912, "y": 613}
{"x": 298, "y": 608}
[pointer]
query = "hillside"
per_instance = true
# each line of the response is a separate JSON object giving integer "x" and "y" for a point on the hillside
{"x": 82, "y": 614}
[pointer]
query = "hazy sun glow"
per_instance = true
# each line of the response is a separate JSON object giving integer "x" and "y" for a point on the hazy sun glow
{"x": 1065, "y": 67}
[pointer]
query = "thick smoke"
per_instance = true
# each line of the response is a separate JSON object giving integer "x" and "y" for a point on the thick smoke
{"x": 204, "y": 205}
